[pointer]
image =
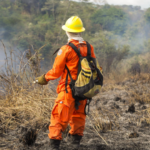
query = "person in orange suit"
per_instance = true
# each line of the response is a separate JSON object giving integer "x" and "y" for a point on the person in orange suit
{"x": 64, "y": 111}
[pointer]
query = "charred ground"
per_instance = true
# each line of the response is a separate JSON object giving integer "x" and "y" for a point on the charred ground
{"x": 119, "y": 115}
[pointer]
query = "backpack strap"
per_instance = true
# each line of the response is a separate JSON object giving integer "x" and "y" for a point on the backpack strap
{"x": 88, "y": 49}
{"x": 87, "y": 105}
{"x": 75, "y": 49}
{"x": 66, "y": 82}
{"x": 68, "y": 74}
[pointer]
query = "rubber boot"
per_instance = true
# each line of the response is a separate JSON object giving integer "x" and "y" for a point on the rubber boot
{"x": 74, "y": 141}
{"x": 54, "y": 144}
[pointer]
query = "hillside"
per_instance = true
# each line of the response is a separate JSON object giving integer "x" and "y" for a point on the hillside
{"x": 116, "y": 32}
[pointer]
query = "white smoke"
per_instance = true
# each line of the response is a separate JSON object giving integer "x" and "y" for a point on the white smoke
{"x": 143, "y": 3}
{"x": 99, "y": 2}
{"x": 2, "y": 54}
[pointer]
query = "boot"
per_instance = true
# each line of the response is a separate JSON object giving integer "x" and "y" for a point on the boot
{"x": 74, "y": 141}
{"x": 54, "y": 144}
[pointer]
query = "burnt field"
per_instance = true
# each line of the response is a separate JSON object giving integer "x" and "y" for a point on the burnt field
{"x": 119, "y": 119}
{"x": 119, "y": 34}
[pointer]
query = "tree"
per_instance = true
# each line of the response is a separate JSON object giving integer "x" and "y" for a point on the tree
{"x": 31, "y": 6}
{"x": 108, "y": 51}
{"x": 147, "y": 15}
{"x": 51, "y": 6}
{"x": 111, "y": 18}
{"x": 147, "y": 46}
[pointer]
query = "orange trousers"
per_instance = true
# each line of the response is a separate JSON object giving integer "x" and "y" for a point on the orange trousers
{"x": 64, "y": 112}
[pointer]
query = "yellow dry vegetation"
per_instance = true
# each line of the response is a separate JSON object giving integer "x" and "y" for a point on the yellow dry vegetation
{"x": 22, "y": 102}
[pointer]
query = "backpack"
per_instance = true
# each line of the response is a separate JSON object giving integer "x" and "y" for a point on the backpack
{"x": 89, "y": 78}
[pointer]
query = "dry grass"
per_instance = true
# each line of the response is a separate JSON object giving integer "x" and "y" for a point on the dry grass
{"x": 138, "y": 89}
{"x": 23, "y": 103}
{"x": 103, "y": 121}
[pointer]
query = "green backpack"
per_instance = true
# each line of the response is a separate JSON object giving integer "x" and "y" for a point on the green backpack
{"x": 89, "y": 78}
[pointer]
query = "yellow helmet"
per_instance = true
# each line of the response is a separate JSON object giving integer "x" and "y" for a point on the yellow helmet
{"x": 73, "y": 24}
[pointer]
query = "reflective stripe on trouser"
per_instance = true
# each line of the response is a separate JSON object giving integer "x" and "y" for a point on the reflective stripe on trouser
{"x": 64, "y": 112}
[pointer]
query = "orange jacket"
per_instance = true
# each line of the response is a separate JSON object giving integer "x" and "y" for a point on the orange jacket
{"x": 67, "y": 56}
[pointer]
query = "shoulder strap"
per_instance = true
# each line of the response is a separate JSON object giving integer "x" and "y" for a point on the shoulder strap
{"x": 88, "y": 49}
{"x": 68, "y": 74}
{"x": 78, "y": 52}
{"x": 75, "y": 49}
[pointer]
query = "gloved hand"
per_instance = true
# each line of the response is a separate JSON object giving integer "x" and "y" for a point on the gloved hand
{"x": 41, "y": 80}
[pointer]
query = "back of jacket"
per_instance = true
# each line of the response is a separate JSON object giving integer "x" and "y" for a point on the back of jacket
{"x": 67, "y": 56}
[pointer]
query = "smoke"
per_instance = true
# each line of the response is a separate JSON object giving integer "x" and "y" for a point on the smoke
{"x": 98, "y": 2}
{"x": 7, "y": 52}
{"x": 144, "y": 3}
{"x": 137, "y": 30}
{"x": 2, "y": 54}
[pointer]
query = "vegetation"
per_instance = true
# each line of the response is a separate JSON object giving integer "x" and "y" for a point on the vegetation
{"x": 121, "y": 39}
{"x": 147, "y": 15}
{"x": 111, "y": 18}
{"x": 115, "y": 31}
{"x": 21, "y": 101}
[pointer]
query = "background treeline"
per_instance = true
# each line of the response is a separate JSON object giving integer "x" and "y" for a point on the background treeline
{"x": 115, "y": 31}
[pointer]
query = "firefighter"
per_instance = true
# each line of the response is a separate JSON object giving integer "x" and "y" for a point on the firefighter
{"x": 64, "y": 111}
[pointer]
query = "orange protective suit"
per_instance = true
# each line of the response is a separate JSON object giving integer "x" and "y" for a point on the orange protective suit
{"x": 64, "y": 111}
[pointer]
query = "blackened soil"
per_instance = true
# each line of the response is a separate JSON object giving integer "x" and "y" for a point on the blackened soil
{"x": 115, "y": 115}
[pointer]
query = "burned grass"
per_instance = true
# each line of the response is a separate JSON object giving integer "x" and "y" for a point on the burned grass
{"x": 23, "y": 104}
{"x": 119, "y": 117}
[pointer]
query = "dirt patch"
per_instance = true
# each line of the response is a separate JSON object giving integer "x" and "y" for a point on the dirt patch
{"x": 131, "y": 108}
{"x": 28, "y": 136}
